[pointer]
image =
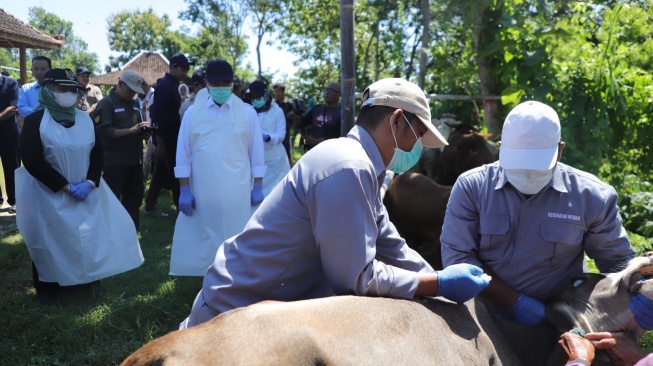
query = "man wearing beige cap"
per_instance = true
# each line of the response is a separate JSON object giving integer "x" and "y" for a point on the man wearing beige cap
{"x": 528, "y": 220}
{"x": 119, "y": 122}
{"x": 323, "y": 229}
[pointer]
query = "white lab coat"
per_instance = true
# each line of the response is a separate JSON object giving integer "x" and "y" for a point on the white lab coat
{"x": 220, "y": 181}
{"x": 73, "y": 242}
{"x": 273, "y": 123}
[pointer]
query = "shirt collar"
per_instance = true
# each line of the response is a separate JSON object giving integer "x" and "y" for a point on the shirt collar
{"x": 557, "y": 183}
{"x": 228, "y": 103}
{"x": 361, "y": 135}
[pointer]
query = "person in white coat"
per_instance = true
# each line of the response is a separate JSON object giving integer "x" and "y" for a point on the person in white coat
{"x": 74, "y": 227}
{"x": 220, "y": 167}
{"x": 273, "y": 126}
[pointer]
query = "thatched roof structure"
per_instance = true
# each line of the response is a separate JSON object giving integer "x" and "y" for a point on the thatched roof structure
{"x": 150, "y": 65}
{"x": 16, "y": 34}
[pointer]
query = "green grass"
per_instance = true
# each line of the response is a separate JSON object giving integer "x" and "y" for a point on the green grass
{"x": 80, "y": 329}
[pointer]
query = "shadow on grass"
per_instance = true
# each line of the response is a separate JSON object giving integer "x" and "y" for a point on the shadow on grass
{"x": 84, "y": 329}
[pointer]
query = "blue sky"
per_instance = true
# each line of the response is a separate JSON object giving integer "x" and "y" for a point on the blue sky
{"x": 89, "y": 22}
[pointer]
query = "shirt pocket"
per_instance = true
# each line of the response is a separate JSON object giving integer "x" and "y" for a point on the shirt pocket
{"x": 564, "y": 240}
{"x": 494, "y": 230}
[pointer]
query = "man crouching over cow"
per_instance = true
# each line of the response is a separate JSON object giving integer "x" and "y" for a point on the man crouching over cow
{"x": 323, "y": 229}
{"x": 527, "y": 220}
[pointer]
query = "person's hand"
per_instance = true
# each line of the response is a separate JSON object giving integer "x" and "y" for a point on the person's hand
{"x": 83, "y": 190}
{"x": 72, "y": 188}
{"x": 257, "y": 194}
{"x": 186, "y": 201}
{"x": 139, "y": 127}
{"x": 528, "y": 311}
{"x": 576, "y": 347}
{"x": 266, "y": 137}
{"x": 460, "y": 282}
{"x": 621, "y": 349}
{"x": 310, "y": 141}
{"x": 642, "y": 307}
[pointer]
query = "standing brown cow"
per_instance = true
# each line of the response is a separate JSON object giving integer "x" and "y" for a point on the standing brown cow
{"x": 416, "y": 206}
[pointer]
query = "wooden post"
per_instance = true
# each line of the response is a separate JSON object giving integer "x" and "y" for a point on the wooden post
{"x": 23, "y": 65}
{"x": 347, "y": 61}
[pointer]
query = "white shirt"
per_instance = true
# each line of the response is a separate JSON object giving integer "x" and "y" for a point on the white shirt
{"x": 256, "y": 148}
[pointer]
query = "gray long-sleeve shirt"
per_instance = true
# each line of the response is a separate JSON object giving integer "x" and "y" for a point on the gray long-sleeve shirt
{"x": 322, "y": 231}
{"x": 534, "y": 244}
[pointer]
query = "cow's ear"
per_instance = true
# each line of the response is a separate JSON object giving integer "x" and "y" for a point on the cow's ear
{"x": 563, "y": 316}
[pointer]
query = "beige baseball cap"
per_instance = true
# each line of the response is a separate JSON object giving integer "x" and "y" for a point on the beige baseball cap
{"x": 133, "y": 81}
{"x": 402, "y": 94}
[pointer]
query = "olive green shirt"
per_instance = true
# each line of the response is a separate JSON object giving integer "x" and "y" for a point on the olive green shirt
{"x": 88, "y": 98}
{"x": 114, "y": 113}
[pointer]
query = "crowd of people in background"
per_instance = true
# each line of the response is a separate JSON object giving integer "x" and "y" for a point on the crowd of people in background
{"x": 164, "y": 133}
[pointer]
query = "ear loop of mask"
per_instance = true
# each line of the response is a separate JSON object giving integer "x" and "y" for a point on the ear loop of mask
{"x": 411, "y": 128}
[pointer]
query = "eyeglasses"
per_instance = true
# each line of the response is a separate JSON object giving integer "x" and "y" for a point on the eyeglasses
{"x": 331, "y": 90}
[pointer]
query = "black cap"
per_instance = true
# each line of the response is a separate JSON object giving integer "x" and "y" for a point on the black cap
{"x": 197, "y": 78}
{"x": 82, "y": 70}
{"x": 180, "y": 60}
{"x": 257, "y": 87}
{"x": 219, "y": 70}
{"x": 61, "y": 77}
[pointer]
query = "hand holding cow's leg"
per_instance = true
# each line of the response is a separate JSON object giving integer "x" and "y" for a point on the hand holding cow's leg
{"x": 460, "y": 282}
{"x": 528, "y": 311}
{"x": 621, "y": 349}
{"x": 577, "y": 348}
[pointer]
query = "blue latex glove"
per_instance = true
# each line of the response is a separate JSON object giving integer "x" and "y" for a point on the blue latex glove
{"x": 72, "y": 189}
{"x": 257, "y": 194}
{"x": 642, "y": 308}
{"x": 83, "y": 190}
{"x": 528, "y": 311}
{"x": 460, "y": 282}
{"x": 266, "y": 137}
{"x": 186, "y": 201}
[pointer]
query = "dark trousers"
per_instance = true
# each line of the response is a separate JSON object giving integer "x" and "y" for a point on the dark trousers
{"x": 9, "y": 155}
{"x": 126, "y": 182}
{"x": 164, "y": 172}
{"x": 50, "y": 288}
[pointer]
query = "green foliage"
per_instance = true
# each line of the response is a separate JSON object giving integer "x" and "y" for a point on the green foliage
{"x": 73, "y": 53}
{"x": 222, "y": 36}
{"x": 602, "y": 98}
{"x": 133, "y": 32}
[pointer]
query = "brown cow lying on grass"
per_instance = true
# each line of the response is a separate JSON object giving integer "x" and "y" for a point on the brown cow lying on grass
{"x": 349, "y": 330}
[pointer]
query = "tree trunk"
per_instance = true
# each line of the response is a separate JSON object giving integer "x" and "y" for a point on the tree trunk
{"x": 484, "y": 30}
{"x": 426, "y": 40}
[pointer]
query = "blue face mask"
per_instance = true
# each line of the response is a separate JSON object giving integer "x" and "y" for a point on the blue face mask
{"x": 402, "y": 160}
{"x": 258, "y": 103}
{"x": 220, "y": 94}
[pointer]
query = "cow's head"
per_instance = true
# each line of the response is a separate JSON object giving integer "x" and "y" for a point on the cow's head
{"x": 600, "y": 303}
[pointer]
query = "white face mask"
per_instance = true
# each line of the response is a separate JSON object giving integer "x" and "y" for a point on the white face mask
{"x": 65, "y": 100}
{"x": 528, "y": 181}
